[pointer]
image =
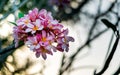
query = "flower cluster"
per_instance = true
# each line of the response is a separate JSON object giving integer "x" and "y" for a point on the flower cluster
{"x": 41, "y": 33}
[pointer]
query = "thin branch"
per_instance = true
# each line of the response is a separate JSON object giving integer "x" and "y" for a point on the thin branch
{"x": 109, "y": 57}
{"x": 95, "y": 20}
{"x": 13, "y": 10}
{"x": 97, "y": 17}
{"x": 110, "y": 44}
{"x": 4, "y": 53}
{"x": 9, "y": 48}
{"x": 62, "y": 63}
{"x": 108, "y": 51}
{"x": 80, "y": 49}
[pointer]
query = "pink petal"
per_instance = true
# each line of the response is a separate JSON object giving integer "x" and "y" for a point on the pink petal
{"x": 35, "y": 39}
{"x": 37, "y": 54}
{"x": 20, "y": 23}
{"x": 65, "y": 32}
{"x": 42, "y": 14}
{"x": 38, "y": 46}
{"x": 30, "y": 25}
{"x": 43, "y": 11}
{"x": 54, "y": 22}
{"x": 27, "y": 42}
{"x": 41, "y": 27}
{"x": 28, "y": 30}
{"x": 64, "y": 46}
{"x": 33, "y": 14}
{"x": 63, "y": 39}
{"x": 38, "y": 22}
{"x": 33, "y": 32}
{"x": 32, "y": 47}
{"x": 44, "y": 56}
{"x": 67, "y": 49}
{"x": 48, "y": 47}
{"x": 49, "y": 52}
{"x": 52, "y": 34}
{"x": 31, "y": 39}
{"x": 50, "y": 15}
{"x": 50, "y": 38}
{"x": 71, "y": 39}
{"x": 35, "y": 10}
{"x": 38, "y": 37}
{"x": 59, "y": 48}
{"x": 59, "y": 40}
{"x": 43, "y": 34}
{"x": 54, "y": 48}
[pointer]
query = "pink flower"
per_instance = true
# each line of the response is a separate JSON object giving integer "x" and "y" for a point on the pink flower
{"x": 44, "y": 15}
{"x": 46, "y": 39}
{"x": 34, "y": 27}
{"x": 41, "y": 33}
{"x": 42, "y": 51}
{"x": 63, "y": 41}
{"x": 33, "y": 43}
{"x": 54, "y": 25}
{"x": 33, "y": 14}
{"x": 24, "y": 21}
{"x": 19, "y": 34}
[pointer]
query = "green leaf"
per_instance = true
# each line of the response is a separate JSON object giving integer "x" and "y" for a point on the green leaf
{"x": 20, "y": 14}
{"x": 13, "y": 23}
{"x": 21, "y": 42}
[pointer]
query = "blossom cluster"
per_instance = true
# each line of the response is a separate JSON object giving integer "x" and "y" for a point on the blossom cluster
{"x": 41, "y": 33}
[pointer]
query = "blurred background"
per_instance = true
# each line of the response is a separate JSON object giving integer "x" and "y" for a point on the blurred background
{"x": 96, "y": 49}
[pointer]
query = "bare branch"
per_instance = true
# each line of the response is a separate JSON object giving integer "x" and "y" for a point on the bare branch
{"x": 97, "y": 17}
{"x": 80, "y": 49}
{"x": 109, "y": 57}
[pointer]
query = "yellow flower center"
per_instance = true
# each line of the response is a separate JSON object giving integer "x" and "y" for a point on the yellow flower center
{"x": 44, "y": 39}
{"x": 65, "y": 40}
{"x": 51, "y": 26}
{"x": 26, "y": 21}
{"x": 35, "y": 28}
